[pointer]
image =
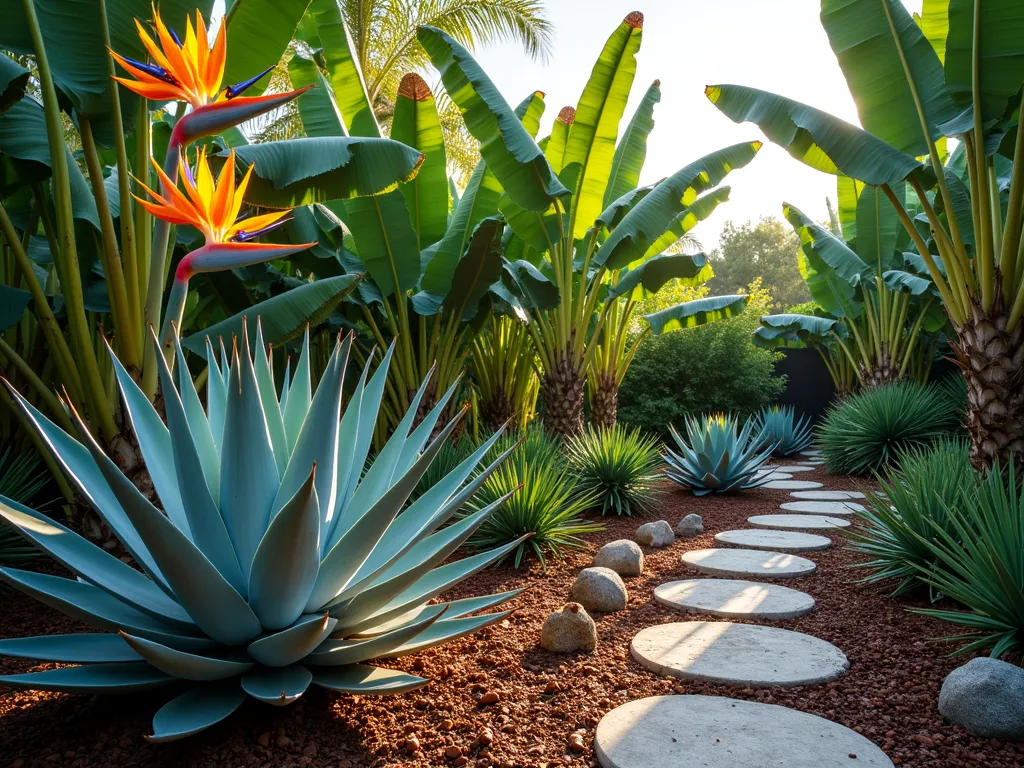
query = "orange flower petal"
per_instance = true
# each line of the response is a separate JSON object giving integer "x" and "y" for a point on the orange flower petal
{"x": 152, "y": 47}
{"x": 165, "y": 92}
{"x": 215, "y": 64}
{"x": 253, "y": 223}
{"x": 224, "y": 195}
{"x": 165, "y": 213}
{"x": 236, "y": 206}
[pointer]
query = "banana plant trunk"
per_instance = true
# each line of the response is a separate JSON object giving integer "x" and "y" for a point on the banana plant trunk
{"x": 992, "y": 361}
{"x": 604, "y": 400}
{"x": 561, "y": 393}
{"x": 882, "y": 371}
{"x": 497, "y": 409}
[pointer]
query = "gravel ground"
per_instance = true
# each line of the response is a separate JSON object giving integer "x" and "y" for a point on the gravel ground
{"x": 498, "y": 700}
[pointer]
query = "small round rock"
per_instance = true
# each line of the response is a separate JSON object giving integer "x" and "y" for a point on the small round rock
{"x": 599, "y": 589}
{"x": 986, "y": 698}
{"x": 656, "y": 534}
{"x": 689, "y": 526}
{"x": 623, "y": 556}
{"x": 568, "y": 630}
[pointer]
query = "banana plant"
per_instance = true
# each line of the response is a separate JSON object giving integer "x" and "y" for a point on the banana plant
{"x": 81, "y": 257}
{"x": 887, "y": 317}
{"x": 958, "y": 73}
{"x": 578, "y": 261}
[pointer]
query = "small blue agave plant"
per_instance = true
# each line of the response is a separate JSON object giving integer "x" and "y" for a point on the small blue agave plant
{"x": 717, "y": 456}
{"x": 276, "y": 562}
{"x": 790, "y": 434}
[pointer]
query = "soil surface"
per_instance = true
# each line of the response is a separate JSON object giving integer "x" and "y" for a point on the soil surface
{"x": 543, "y": 706}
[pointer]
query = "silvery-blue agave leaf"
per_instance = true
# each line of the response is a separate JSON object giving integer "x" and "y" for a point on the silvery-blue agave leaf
{"x": 277, "y": 562}
{"x": 717, "y": 456}
{"x": 780, "y": 424}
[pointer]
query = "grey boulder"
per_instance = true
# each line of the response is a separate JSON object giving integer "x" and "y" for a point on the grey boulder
{"x": 986, "y": 698}
{"x": 689, "y": 526}
{"x": 623, "y": 556}
{"x": 656, "y": 534}
{"x": 599, "y": 589}
{"x": 570, "y": 629}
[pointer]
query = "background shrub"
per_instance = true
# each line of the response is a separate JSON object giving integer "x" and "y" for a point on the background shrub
{"x": 913, "y": 506}
{"x": 869, "y": 430}
{"x": 710, "y": 368}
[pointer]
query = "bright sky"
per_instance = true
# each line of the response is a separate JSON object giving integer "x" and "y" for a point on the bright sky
{"x": 777, "y": 46}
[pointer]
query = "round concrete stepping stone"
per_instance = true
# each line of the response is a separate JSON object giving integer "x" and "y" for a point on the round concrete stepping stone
{"x": 826, "y": 495}
{"x": 735, "y": 599}
{"x": 737, "y": 654}
{"x": 779, "y": 541}
{"x": 816, "y": 463}
{"x": 813, "y": 453}
{"x": 775, "y": 474}
{"x": 793, "y": 468}
{"x": 791, "y": 485}
{"x": 719, "y": 732}
{"x": 822, "y": 507}
{"x": 798, "y": 522}
{"x": 748, "y": 562}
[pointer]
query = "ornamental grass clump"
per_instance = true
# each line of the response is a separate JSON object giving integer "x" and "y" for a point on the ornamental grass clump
{"x": 619, "y": 465}
{"x": 22, "y": 476}
{"x": 981, "y": 566}
{"x": 543, "y": 515}
{"x": 899, "y": 522}
{"x": 275, "y": 564}
{"x": 870, "y": 430}
{"x": 717, "y": 456}
{"x": 781, "y": 426}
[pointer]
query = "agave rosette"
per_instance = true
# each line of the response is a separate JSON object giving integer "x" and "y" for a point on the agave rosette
{"x": 782, "y": 427}
{"x": 276, "y": 563}
{"x": 717, "y": 456}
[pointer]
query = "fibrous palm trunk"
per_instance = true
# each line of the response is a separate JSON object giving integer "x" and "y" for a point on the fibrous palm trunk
{"x": 992, "y": 361}
{"x": 604, "y": 400}
{"x": 883, "y": 371}
{"x": 497, "y": 410}
{"x": 561, "y": 393}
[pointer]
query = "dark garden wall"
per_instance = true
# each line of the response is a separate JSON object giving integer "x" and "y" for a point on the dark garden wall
{"x": 809, "y": 387}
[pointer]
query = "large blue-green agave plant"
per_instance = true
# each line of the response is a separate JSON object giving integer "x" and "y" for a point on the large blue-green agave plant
{"x": 718, "y": 456}
{"x": 276, "y": 561}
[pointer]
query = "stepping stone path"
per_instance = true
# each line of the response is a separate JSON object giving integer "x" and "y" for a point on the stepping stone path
{"x": 737, "y": 654}
{"x": 748, "y": 562}
{"x": 719, "y": 732}
{"x": 734, "y": 599}
{"x": 827, "y": 495}
{"x": 791, "y": 485}
{"x": 799, "y": 522}
{"x": 816, "y": 463}
{"x": 822, "y": 507}
{"x": 812, "y": 454}
{"x": 780, "y": 541}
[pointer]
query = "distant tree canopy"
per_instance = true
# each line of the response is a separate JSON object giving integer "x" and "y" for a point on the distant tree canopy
{"x": 767, "y": 249}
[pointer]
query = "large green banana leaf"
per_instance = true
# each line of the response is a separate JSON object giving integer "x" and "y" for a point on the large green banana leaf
{"x": 652, "y": 216}
{"x": 468, "y": 282}
{"x": 318, "y": 106}
{"x": 690, "y": 217}
{"x": 890, "y": 69}
{"x": 590, "y": 148}
{"x": 816, "y": 138}
{"x": 281, "y": 318}
{"x": 415, "y": 124}
{"x": 1000, "y": 30}
{"x": 651, "y": 276}
{"x": 258, "y": 32}
{"x": 830, "y": 268}
{"x": 315, "y": 170}
{"x": 848, "y": 192}
{"x": 324, "y": 28}
{"x": 13, "y": 303}
{"x": 690, "y": 314}
{"x": 505, "y": 145}
{"x": 13, "y": 80}
{"x": 878, "y": 227}
{"x": 934, "y": 23}
{"x": 794, "y": 330}
{"x": 631, "y": 150}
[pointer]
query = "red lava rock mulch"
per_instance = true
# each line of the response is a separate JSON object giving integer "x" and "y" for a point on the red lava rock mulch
{"x": 497, "y": 699}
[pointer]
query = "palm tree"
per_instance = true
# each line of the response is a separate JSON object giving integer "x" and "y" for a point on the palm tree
{"x": 384, "y": 40}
